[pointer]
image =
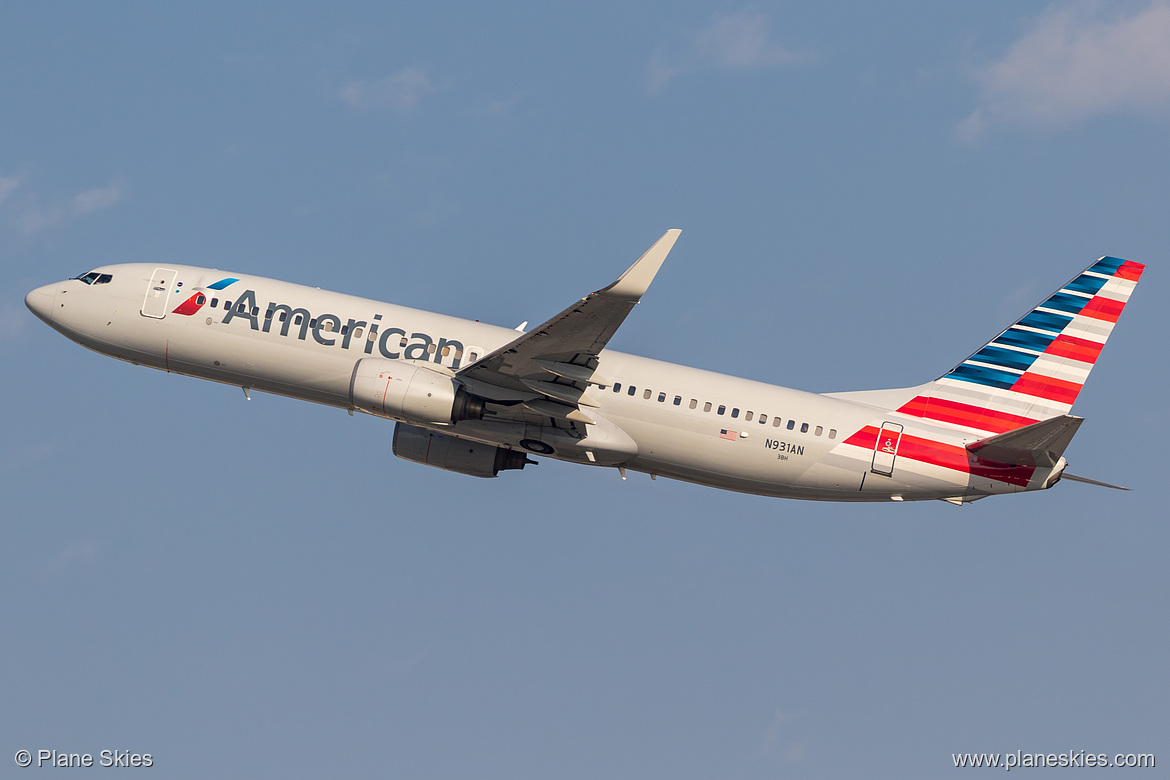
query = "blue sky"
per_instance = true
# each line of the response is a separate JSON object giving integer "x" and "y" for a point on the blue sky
{"x": 867, "y": 194}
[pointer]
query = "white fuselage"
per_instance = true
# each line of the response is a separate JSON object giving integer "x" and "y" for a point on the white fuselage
{"x": 685, "y": 423}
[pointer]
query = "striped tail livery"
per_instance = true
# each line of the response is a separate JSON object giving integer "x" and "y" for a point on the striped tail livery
{"x": 1002, "y": 415}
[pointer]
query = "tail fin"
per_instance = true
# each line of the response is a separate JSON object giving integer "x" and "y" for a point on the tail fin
{"x": 1034, "y": 370}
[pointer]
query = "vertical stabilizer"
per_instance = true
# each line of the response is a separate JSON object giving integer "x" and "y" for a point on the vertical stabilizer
{"x": 1034, "y": 370}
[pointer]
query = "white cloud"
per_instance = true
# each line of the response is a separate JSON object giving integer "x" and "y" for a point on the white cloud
{"x": 740, "y": 41}
{"x": 1075, "y": 63}
{"x": 95, "y": 199}
{"x": 77, "y": 552}
{"x": 7, "y": 185}
{"x": 778, "y": 742}
{"x": 400, "y": 91}
{"x": 34, "y": 220}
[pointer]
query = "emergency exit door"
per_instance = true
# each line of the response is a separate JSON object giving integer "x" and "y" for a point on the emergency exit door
{"x": 885, "y": 450}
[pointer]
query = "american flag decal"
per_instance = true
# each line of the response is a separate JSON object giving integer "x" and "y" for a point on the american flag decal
{"x": 726, "y": 434}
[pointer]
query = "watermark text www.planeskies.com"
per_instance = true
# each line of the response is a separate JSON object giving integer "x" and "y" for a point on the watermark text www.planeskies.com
{"x": 1070, "y": 758}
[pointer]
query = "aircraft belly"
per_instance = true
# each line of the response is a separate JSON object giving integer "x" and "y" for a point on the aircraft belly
{"x": 281, "y": 368}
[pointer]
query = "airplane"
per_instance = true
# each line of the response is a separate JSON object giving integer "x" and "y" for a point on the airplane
{"x": 478, "y": 399}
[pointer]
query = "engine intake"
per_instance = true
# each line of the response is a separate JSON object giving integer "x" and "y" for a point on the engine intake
{"x": 411, "y": 393}
{"x": 454, "y": 454}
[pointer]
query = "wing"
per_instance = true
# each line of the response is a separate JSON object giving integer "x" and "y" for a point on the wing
{"x": 549, "y": 369}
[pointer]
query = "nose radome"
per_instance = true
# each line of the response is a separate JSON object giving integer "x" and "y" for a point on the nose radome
{"x": 40, "y": 302}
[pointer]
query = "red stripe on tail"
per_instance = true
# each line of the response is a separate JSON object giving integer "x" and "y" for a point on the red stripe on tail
{"x": 1048, "y": 387}
{"x": 1072, "y": 347}
{"x": 968, "y": 416}
{"x": 1130, "y": 270}
{"x": 1101, "y": 308}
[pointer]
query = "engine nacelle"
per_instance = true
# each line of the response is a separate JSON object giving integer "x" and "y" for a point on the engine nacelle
{"x": 410, "y": 392}
{"x": 454, "y": 454}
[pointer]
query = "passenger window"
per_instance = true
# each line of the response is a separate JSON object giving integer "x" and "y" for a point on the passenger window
{"x": 255, "y": 310}
{"x": 735, "y": 412}
{"x": 446, "y": 350}
{"x": 313, "y": 323}
{"x": 227, "y": 304}
{"x": 646, "y": 394}
{"x": 791, "y": 424}
{"x": 617, "y": 387}
{"x": 200, "y": 299}
{"x": 722, "y": 409}
{"x": 344, "y": 329}
{"x": 633, "y": 390}
{"x": 763, "y": 419}
{"x": 431, "y": 349}
{"x": 832, "y": 433}
{"x": 818, "y": 431}
{"x": 241, "y": 308}
{"x": 268, "y": 314}
{"x": 297, "y": 320}
{"x": 357, "y": 333}
{"x": 214, "y": 302}
{"x": 747, "y": 416}
{"x": 694, "y": 403}
{"x": 804, "y": 427}
{"x": 776, "y": 422}
{"x": 678, "y": 400}
{"x": 327, "y": 326}
{"x": 661, "y": 397}
{"x": 373, "y": 335}
{"x": 707, "y": 407}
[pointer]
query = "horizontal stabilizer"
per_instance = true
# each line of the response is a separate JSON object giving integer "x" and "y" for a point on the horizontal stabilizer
{"x": 1038, "y": 444}
{"x": 1087, "y": 481}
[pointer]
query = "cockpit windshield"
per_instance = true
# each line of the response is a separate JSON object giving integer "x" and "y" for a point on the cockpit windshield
{"x": 93, "y": 277}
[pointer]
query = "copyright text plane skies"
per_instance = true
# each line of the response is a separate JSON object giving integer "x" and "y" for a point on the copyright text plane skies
{"x": 479, "y": 399}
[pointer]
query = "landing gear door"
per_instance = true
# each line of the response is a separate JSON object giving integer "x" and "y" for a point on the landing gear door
{"x": 885, "y": 450}
{"x": 158, "y": 293}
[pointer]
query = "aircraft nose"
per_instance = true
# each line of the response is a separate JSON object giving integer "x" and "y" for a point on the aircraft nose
{"x": 40, "y": 302}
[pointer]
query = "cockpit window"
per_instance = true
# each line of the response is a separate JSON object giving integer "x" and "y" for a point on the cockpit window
{"x": 93, "y": 277}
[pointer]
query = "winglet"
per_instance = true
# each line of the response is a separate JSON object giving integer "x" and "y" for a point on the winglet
{"x": 636, "y": 280}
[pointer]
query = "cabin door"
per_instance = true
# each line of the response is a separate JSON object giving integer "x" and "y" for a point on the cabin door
{"x": 158, "y": 293}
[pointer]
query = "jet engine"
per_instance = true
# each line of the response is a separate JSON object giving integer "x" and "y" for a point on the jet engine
{"x": 454, "y": 454}
{"x": 410, "y": 392}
